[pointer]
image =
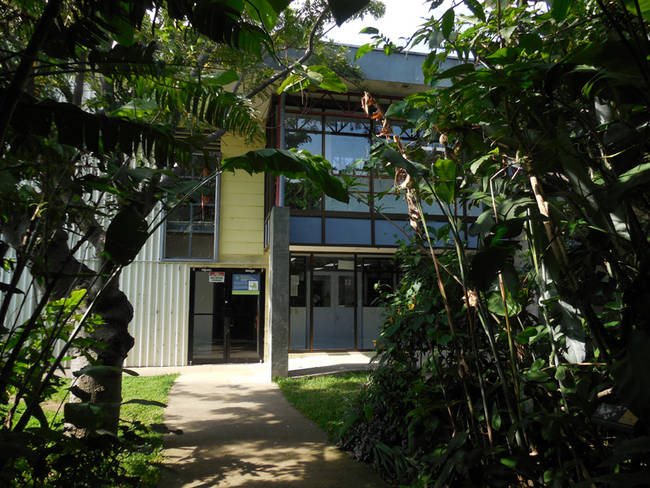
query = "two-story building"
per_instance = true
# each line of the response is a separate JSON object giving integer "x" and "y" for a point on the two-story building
{"x": 261, "y": 266}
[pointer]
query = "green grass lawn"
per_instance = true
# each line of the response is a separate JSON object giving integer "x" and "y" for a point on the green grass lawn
{"x": 151, "y": 388}
{"x": 144, "y": 464}
{"x": 323, "y": 398}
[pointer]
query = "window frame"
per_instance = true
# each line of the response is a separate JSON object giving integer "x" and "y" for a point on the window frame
{"x": 215, "y": 233}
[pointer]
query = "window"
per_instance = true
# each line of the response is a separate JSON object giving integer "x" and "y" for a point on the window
{"x": 342, "y": 140}
{"x": 376, "y": 214}
{"x": 190, "y": 227}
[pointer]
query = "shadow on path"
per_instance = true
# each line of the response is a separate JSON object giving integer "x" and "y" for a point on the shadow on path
{"x": 240, "y": 432}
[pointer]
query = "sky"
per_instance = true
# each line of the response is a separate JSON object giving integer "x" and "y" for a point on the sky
{"x": 402, "y": 18}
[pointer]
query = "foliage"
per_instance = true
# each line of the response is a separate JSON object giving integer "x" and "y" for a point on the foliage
{"x": 90, "y": 101}
{"x": 323, "y": 399}
{"x": 130, "y": 460}
{"x": 505, "y": 357}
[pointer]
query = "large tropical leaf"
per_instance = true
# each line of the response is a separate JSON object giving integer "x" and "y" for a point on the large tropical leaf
{"x": 344, "y": 9}
{"x": 294, "y": 164}
{"x": 207, "y": 103}
{"x": 95, "y": 23}
{"x": 96, "y": 133}
{"x": 224, "y": 24}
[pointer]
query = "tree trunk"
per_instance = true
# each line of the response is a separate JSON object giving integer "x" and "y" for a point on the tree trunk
{"x": 113, "y": 342}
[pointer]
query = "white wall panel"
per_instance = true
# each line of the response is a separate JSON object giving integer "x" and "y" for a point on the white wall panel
{"x": 159, "y": 293}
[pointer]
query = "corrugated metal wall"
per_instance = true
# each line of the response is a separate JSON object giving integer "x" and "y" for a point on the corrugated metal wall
{"x": 159, "y": 293}
{"x": 160, "y": 290}
{"x": 21, "y": 305}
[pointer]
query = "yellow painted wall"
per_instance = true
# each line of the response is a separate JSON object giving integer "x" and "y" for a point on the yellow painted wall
{"x": 241, "y": 223}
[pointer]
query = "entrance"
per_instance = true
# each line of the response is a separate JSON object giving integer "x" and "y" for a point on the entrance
{"x": 333, "y": 309}
{"x": 333, "y": 302}
{"x": 226, "y": 315}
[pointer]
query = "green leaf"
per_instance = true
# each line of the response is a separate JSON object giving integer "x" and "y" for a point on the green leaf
{"x": 559, "y": 9}
{"x": 344, "y": 9}
{"x": 630, "y": 373}
{"x": 506, "y": 32}
{"x": 265, "y": 11}
{"x": 455, "y": 71}
{"x": 644, "y": 6}
{"x": 369, "y": 30}
{"x": 495, "y": 304}
{"x": 524, "y": 336}
{"x": 477, "y": 164}
{"x": 363, "y": 50}
{"x": 447, "y": 25}
{"x": 293, "y": 82}
{"x": 531, "y": 42}
{"x": 505, "y": 55}
{"x": 445, "y": 183}
{"x": 399, "y": 161}
{"x": 476, "y": 8}
{"x": 220, "y": 79}
{"x": 295, "y": 164}
{"x": 330, "y": 81}
{"x": 535, "y": 376}
{"x": 495, "y": 420}
{"x": 560, "y": 373}
{"x": 125, "y": 236}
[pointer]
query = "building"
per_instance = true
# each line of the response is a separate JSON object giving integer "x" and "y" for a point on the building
{"x": 259, "y": 266}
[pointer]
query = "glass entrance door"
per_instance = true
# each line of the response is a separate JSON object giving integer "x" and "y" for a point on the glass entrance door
{"x": 226, "y": 316}
{"x": 333, "y": 304}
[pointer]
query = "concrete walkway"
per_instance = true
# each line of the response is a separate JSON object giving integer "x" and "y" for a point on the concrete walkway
{"x": 239, "y": 431}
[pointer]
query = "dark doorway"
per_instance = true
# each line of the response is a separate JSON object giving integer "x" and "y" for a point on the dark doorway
{"x": 226, "y": 315}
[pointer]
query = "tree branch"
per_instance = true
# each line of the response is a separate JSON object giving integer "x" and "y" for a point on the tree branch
{"x": 308, "y": 52}
{"x": 216, "y": 135}
{"x": 19, "y": 82}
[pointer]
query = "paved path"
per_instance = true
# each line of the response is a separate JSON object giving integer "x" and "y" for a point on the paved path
{"x": 239, "y": 431}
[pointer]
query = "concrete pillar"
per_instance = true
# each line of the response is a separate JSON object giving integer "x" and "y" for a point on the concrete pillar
{"x": 277, "y": 333}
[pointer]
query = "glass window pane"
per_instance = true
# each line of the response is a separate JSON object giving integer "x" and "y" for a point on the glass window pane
{"x": 386, "y": 199}
{"x": 378, "y": 276}
{"x": 302, "y": 195}
{"x": 297, "y": 122}
{"x": 346, "y": 290}
{"x": 298, "y": 284}
{"x": 347, "y": 231}
{"x": 372, "y": 318}
{"x": 340, "y": 125}
{"x": 431, "y": 208}
{"x": 190, "y": 226}
{"x": 342, "y": 151}
{"x": 202, "y": 246}
{"x": 180, "y": 214}
{"x": 177, "y": 244}
{"x": 298, "y": 315}
{"x": 324, "y": 263}
{"x": 312, "y": 142}
{"x": 203, "y": 293}
{"x": 388, "y": 233}
{"x": 305, "y": 230}
{"x": 358, "y": 198}
{"x": 322, "y": 294}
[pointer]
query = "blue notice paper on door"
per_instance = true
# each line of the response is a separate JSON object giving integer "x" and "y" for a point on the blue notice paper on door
{"x": 246, "y": 284}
